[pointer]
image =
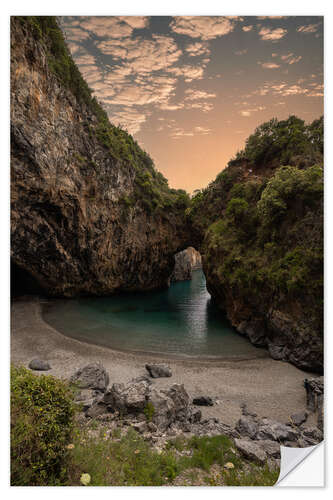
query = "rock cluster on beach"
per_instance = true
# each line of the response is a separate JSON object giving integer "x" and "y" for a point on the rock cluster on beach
{"x": 159, "y": 414}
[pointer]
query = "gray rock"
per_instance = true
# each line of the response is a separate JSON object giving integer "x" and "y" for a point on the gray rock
{"x": 269, "y": 429}
{"x": 194, "y": 415}
{"x": 185, "y": 262}
{"x": 246, "y": 426}
{"x": 180, "y": 399}
{"x": 272, "y": 448}
{"x": 312, "y": 434}
{"x": 299, "y": 418}
{"x": 131, "y": 398}
{"x": 39, "y": 365}
{"x": 246, "y": 412}
{"x": 152, "y": 427}
{"x": 142, "y": 378}
{"x": 276, "y": 351}
{"x": 251, "y": 450}
{"x": 157, "y": 371}
{"x": 97, "y": 409}
{"x": 203, "y": 401}
{"x": 140, "y": 427}
{"x": 163, "y": 409}
{"x": 92, "y": 376}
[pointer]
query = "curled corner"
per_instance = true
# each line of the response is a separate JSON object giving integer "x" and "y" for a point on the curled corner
{"x": 291, "y": 458}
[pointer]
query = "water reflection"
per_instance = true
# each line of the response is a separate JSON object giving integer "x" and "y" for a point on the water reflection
{"x": 182, "y": 320}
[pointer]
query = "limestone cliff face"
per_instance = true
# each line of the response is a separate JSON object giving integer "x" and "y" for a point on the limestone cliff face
{"x": 186, "y": 261}
{"x": 261, "y": 223}
{"x": 88, "y": 209}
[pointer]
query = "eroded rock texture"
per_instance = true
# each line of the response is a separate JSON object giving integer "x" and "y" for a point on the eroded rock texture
{"x": 89, "y": 213}
{"x": 186, "y": 261}
{"x": 261, "y": 223}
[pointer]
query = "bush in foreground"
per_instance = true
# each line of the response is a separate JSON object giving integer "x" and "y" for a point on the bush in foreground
{"x": 42, "y": 412}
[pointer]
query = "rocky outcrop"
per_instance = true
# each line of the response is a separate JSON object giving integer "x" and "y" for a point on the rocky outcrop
{"x": 185, "y": 262}
{"x": 88, "y": 208}
{"x": 92, "y": 376}
{"x": 261, "y": 224}
{"x": 161, "y": 413}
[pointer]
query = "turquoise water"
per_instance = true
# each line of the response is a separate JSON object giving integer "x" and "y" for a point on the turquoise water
{"x": 179, "y": 321}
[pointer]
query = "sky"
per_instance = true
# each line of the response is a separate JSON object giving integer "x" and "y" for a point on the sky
{"x": 192, "y": 89}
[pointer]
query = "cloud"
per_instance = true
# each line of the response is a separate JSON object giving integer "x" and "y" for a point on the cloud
{"x": 271, "y": 17}
{"x": 136, "y": 22}
{"x": 75, "y": 34}
{"x": 202, "y": 130}
{"x": 205, "y": 107}
{"x": 179, "y": 132}
{"x": 193, "y": 95}
{"x": 197, "y": 49}
{"x": 310, "y": 28}
{"x": 291, "y": 58}
{"x": 288, "y": 90}
{"x": 144, "y": 56}
{"x": 165, "y": 106}
{"x": 272, "y": 34}
{"x": 250, "y": 111}
{"x": 204, "y": 27}
{"x": 240, "y": 52}
{"x": 188, "y": 72}
{"x": 269, "y": 65}
{"x": 128, "y": 119}
{"x": 110, "y": 27}
{"x": 247, "y": 28}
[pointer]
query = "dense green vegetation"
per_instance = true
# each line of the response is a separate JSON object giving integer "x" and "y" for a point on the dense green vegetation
{"x": 42, "y": 413}
{"x": 50, "y": 447}
{"x": 262, "y": 220}
{"x": 151, "y": 187}
{"x": 284, "y": 142}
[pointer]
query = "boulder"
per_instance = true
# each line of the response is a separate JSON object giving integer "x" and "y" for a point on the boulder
{"x": 130, "y": 398}
{"x": 99, "y": 408}
{"x": 251, "y": 450}
{"x": 272, "y": 448}
{"x": 39, "y": 365}
{"x": 312, "y": 434}
{"x": 247, "y": 426}
{"x": 157, "y": 371}
{"x": 203, "y": 401}
{"x": 275, "y": 431}
{"x": 299, "y": 418}
{"x": 180, "y": 399}
{"x": 92, "y": 376}
{"x": 163, "y": 409}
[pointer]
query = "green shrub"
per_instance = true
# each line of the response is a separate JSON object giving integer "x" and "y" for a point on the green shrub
{"x": 149, "y": 411}
{"x": 280, "y": 141}
{"x": 42, "y": 412}
{"x": 237, "y": 209}
{"x": 290, "y": 184}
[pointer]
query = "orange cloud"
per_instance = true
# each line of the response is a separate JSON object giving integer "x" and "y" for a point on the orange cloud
{"x": 272, "y": 34}
{"x": 204, "y": 27}
{"x": 310, "y": 28}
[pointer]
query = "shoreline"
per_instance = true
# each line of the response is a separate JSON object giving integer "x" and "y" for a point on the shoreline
{"x": 271, "y": 388}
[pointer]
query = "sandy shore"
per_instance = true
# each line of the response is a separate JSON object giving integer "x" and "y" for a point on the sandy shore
{"x": 270, "y": 388}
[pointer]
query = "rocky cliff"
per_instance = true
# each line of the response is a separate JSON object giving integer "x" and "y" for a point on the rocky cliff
{"x": 186, "y": 261}
{"x": 89, "y": 212}
{"x": 261, "y": 227}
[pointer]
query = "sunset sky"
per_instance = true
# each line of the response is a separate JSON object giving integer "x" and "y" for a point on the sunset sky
{"x": 191, "y": 89}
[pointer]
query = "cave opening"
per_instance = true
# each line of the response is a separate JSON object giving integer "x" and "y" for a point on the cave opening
{"x": 22, "y": 282}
